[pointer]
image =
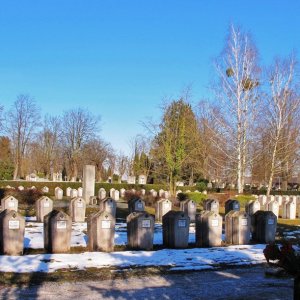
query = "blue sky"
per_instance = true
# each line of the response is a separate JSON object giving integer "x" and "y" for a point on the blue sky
{"x": 119, "y": 59}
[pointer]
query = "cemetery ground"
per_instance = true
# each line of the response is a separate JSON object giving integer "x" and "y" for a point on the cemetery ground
{"x": 122, "y": 273}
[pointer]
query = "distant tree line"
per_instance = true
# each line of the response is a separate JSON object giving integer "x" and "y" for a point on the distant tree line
{"x": 249, "y": 127}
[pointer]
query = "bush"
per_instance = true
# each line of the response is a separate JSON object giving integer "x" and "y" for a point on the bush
{"x": 201, "y": 186}
{"x": 244, "y": 199}
{"x": 197, "y": 197}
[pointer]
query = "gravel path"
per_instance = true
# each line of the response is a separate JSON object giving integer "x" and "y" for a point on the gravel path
{"x": 245, "y": 283}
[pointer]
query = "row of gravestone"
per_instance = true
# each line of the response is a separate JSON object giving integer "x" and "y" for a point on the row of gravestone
{"x": 288, "y": 204}
{"x": 140, "y": 230}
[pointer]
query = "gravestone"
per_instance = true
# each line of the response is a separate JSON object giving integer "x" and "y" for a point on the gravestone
{"x": 80, "y": 192}
{"x": 101, "y": 194}
{"x": 57, "y": 232}
{"x": 136, "y": 204}
{"x": 274, "y": 207}
{"x": 122, "y": 192}
{"x": 10, "y": 203}
{"x": 153, "y": 193}
{"x": 166, "y": 195}
{"x": 45, "y": 189}
{"x": 77, "y": 209}
{"x": 237, "y": 228}
{"x": 116, "y": 195}
{"x": 212, "y": 205}
{"x": 189, "y": 207}
{"x": 12, "y": 229}
{"x": 278, "y": 198}
{"x": 176, "y": 226}
{"x": 101, "y": 231}
{"x": 59, "y": 193}
{"x": 74, "y": 193}
{"x": 143, "y": 192}
{"x": 109, "y": 205}
{"x": 262, "y": 200}
{"x": 208, "y": 229}
{"x": 88, "y": 183}
{"x": 264, "y": 226}
{"x": 252, "y": 207}
{"x": 231, "y": 204}
{"x": 140, "y": 230}
{"x": 289, "y": 210}
{"x": 112, "y": 193}
{"x": 43, "y": 206}
{"x": 68, "y": 191}
{"x": 161, "y": 193}
{"x": 162, "y": 206}
{"x": 21, "y": 188}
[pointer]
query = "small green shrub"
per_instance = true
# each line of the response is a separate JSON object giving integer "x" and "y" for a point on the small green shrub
{"x": 197, "y": 197}
{"x": 244, "y": 199}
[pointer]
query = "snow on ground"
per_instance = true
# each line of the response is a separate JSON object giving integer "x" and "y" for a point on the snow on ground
{"x": 34, "y": 235}
{"x": 186, "y": 259}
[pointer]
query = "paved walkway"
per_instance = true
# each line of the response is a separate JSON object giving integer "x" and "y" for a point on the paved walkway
{"x": 244, "y": 283}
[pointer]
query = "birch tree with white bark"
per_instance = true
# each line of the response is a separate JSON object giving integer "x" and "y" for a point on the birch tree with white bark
{"x": 236, "y": 93}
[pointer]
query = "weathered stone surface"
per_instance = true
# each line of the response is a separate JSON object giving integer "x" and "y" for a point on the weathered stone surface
{"x": 190, "y": 208}
{"x": 237, "y": 228}
{"x": 264, "y": 226}
{"x": 57, "y": 232}
{"x": 176, "y": 226}
{"x": 208, "y": 229}
{"x": 101, "y": 232}
{"x": 136, "y": 205}
{"x": 77, "y": 209}
{"x": 10, "y": 203}
{"x": 211, "y": 205}
{"x": 252, "y": 207}
{"x": 109, "y": 205}
{"x": 12, "y": 229}
{"x": 140, "y": 230}
{"x": 58, "y": 193}
{"x": 231, "y": 204}
{"x": 88, "y": 183}
{"x": 43, "y": 206}
{"x": 162, "y": 206}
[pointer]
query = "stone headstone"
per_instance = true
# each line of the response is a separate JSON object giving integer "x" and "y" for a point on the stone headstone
{"x": 45, "y": 189}
{"x": 289, "y": 210}
{"x": 21, "y": 188}
{"x": 43, "y": 206}
{"x": 252, "y": 207}
{"x": 274, "y": 207}
{"x": 142, "y": 179}
{"x": 136, "y": 205}
{"x": 68, "y": 191}
{"x": 116, "y": 195}
{"x": 10, "y": 203}
{"x": 262, "y": 200}
{"x": 237, "y": 228}
{"x": 74, "y": 193}
{"x": 140, "y": 230}
{"x": 57, "y": 232}
{"x": 176, "y": 226}
{"x": 131, "y": 180}
{"x": 143, "y": 192}
{"x": 102, "y": 194}
{"x": 231, "y": 204}
{"x": 12, "y": 229}
{"x": 190, "y": 208}
{"x": 122, "y": 192}
{"x": 264, "y": 226}
{"x": 112, "y": 193}
{"x": 77, "y": 209}
{"x": 211, "y": 205}
{"x": 166, "y": 195}
{"x": 88, "y": 183}
{"x": 59, "y": 193}
{"x": 80, "y": 192}
{"x": 162, "y": 206}
{"x": 109, "y": 205}
{"x": 161, "y": 193}
{"x": 101, "y": 231}
{"x": 208, "y": 229}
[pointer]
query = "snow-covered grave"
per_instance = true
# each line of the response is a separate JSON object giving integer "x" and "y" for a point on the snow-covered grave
{"x": 183, "y": 259}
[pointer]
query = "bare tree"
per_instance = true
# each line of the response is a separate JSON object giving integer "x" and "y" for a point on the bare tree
{"x": 47, "y": 151}
{"x": 121, "y": 165}
{"x": 22, "y": 122}
{"x": 97, "y": 152}
{"x": 78, "y": 127}
{"x": 236, "y": 93}
{"x": 281, "y": 116}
